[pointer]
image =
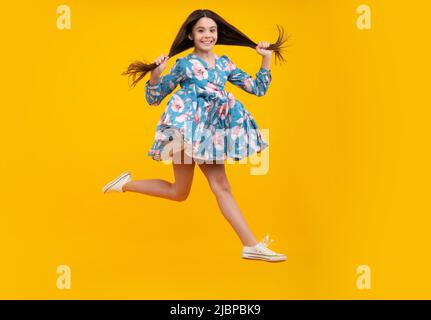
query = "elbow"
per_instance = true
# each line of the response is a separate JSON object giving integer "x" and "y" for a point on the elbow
{"x": 260, "y": 93}
{"x": 260, "y": 90}
{"x": 154, "y": 103}
{"x": 152, "y": 95}
{"x": 263, "y": 90}
{"x": 151, "y": 101}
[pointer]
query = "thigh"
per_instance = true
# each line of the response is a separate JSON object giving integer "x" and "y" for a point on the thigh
{"x": 183, "y": 173}
{"x": 216, "y": 175}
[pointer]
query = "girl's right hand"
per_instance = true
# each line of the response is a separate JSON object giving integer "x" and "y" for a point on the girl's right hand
{"x": 161, "y": 62}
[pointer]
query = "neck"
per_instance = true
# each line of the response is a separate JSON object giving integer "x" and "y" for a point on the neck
{"x": 203, "y": 54}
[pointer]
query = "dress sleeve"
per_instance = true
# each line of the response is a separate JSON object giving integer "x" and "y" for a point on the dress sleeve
{"x": 241, "y": 79}
{"x": 154, "y": 94}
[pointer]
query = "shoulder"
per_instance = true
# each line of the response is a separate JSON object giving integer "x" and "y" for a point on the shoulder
{"x": 179, "y": 64}
{"x": 227, "y": 63}
{"x": 225, "y": 58}
{"x": 180, "y": 60}
{"x": 184, "y": 59}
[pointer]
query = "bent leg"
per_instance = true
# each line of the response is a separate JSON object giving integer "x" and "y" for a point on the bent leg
{"x": 177, "y": 191}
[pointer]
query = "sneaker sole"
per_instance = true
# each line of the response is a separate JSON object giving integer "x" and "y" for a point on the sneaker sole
{"x": 263, "y": 257}
{"x": 110, "y": 184}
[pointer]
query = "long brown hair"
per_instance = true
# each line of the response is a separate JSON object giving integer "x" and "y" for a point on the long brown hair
{"x": 227, "y": 34}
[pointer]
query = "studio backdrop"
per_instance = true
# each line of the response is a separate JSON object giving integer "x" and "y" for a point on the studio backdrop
{"x": 343, "y": 185}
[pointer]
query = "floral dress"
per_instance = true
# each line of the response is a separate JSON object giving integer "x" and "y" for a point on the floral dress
{"x": 211, "y": 122}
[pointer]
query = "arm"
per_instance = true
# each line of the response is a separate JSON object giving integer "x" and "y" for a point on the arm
{"x": 259, "y": 85}
{"x": 157, "y": 88}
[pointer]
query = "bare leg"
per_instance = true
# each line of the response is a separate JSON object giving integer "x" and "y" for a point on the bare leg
{"x": 177, "y": 191}
{"x": 216, "y": 176}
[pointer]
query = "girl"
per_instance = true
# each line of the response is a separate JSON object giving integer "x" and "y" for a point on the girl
{"x": 203, "y": 123}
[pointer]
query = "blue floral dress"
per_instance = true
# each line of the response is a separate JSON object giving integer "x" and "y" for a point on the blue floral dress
{"x": 209, "y": 119}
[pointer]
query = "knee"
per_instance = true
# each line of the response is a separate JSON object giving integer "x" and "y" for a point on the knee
{"x": 180, "y": 195}
{"x": 220, "y": 185}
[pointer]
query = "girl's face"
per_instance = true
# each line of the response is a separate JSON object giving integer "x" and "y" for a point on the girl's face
{"x": 204, "y": 34}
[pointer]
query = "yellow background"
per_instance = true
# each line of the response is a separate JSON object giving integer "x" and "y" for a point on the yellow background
{"x": 349, "y": 177}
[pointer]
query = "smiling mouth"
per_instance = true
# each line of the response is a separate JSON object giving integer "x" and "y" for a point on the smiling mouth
{"x": 207, "y": 42}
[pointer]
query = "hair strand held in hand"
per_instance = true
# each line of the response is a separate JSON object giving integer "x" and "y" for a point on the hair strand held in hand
{"x": 227, "y": 35}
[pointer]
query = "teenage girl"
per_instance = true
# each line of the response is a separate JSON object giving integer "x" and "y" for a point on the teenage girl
{"x": 203, "y": 124}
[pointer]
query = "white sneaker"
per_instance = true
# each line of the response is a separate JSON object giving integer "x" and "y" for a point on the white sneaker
{"x": 117, "y": 184}
{"x": 261, "y": 252}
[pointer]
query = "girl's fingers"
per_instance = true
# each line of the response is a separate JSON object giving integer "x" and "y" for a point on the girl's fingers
{"x": 163, "y": 59}
{"x": 263, "y": 44}
{"x": 160, "y": 59}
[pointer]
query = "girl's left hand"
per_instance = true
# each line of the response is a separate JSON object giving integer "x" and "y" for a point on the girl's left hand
{"x": 260, "y": 48}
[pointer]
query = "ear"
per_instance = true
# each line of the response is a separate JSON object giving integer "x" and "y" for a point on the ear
{"x": 190, "y": 37}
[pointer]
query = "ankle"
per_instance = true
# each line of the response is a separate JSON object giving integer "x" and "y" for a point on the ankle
{"x": 124, "y": 187}
{"x": 250, "y": 243}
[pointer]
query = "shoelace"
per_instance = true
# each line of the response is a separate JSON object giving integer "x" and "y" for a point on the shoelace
{"x": 262, "y": 246}
{"x": 266, "y": 241}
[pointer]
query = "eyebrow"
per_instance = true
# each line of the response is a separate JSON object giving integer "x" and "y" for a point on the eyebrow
{"x": 200, "y": 27}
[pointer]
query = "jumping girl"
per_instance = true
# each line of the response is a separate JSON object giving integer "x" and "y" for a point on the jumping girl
{"x": 203, "y": 123}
